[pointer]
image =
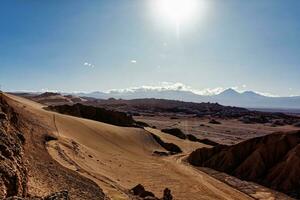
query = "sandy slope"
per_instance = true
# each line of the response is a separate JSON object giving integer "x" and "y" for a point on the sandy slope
{"x": 118, "y": 158}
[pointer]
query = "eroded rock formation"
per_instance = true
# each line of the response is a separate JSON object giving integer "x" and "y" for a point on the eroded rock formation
{"x": 272, "y": 160}
{"x": 12, "y": 166}
{"x": 97, "y": 114}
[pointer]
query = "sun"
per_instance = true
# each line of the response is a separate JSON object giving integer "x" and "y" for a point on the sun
{"x": 178, "y": 12}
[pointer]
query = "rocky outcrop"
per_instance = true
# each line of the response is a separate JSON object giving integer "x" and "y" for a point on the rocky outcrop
{"x": 167, "y": 194}
{"x": 172, "y": 148}
{"x": 97, "y": 114}
{"x": 175, "y": 132}
{"x": 140, "y": 192}
{"x": 181, "y": 135}
{"x": 272, "y": 160}
{"x": 22, "y": 151}
{"x": 12, "y": 166}
{"x": 276, "y": 119}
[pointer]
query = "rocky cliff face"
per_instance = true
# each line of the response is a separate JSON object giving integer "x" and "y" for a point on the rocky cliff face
{"x": 272, "y": 160}
{"x": 12, "y": 166}
{"x": 27, "y": 172}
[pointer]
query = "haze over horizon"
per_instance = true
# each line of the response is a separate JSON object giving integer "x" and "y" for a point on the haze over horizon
{"x": 104, "y": 45}
{"x": 160, "y": 87}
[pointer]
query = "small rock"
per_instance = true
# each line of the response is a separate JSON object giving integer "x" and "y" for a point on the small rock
{"x": 167, "y": 194}
{"x": 213, "y": 121}
{"x": 137, "y": 190}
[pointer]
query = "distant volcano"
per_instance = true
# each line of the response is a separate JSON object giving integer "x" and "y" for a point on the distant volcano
{"x": 229, "y": 97}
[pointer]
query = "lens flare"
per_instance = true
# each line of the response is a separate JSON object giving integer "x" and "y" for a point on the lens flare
{"x": 178, "y": 12}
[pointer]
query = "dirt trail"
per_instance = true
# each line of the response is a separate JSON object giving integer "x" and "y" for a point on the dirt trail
{"x": 118, "y": 158}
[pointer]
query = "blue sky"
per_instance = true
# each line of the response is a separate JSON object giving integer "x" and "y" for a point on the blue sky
{"x": 77, "y": 45}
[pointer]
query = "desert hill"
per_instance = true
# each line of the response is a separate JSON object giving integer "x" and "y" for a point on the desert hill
{"x": 82, "y": 156}
{"x": 215, "y": 110}
{"x": 12, "y": 167}
{"x": 52, "y": 98}
{"x": 170, "y": 106}
{"x": 271, "y": 160}
{"x": 27, "y": 171}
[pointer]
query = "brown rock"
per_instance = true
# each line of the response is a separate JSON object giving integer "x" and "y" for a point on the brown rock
{"x": 167, "y": 194}
{"x": 271, "y": 160}
{"x": 137, "y": 190}
{"x": 63, "y": 195}
{"x": 13, "y": 172}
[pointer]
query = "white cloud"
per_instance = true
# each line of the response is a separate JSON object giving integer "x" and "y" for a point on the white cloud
{"x": 133, "y": 61}
{"x": 210, "y": 91}
{"x": 88, "y": 64}
{"x": 165, "y": 86}
{"x": 267, "y": 94}
{"x": 48, "y": 90}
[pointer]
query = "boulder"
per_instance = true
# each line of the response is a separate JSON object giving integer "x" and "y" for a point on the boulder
{"x": 137, "y": 190}
{"x": 140, "y": 191}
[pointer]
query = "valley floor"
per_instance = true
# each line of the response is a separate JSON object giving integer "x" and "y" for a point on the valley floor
{"x": 229, "y": 131}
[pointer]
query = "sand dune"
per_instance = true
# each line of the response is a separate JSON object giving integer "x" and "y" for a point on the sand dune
{"x": 118, "y": 158}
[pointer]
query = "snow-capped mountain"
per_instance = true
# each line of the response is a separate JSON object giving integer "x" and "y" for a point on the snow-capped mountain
{"x": 230, "y": 97}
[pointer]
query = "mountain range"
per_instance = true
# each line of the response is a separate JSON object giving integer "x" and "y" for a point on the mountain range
{"x": 229, "y": 97}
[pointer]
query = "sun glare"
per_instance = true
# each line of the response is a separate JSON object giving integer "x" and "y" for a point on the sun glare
{"x": 178, "y": 12}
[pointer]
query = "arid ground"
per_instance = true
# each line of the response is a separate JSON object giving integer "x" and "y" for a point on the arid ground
{"x": 228, "y": 132}
{"x": 65, "y": 151}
